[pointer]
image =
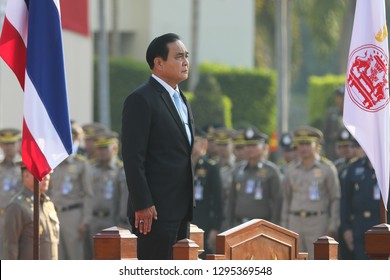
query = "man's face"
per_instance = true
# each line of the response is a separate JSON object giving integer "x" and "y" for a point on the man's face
{"x": 239, "y": 152}
{"x": 105, "y": 154}
{"x": 289, "y": 155}
{"x": 10, "y": 149}
{"x": 212, "y": 148}
{"x": 44, "y": 184}
{"x": 175, "y": 69}
{"x": 225, "y": 150}
{"x": 344, "y": 151}
{"x": 28, "y": 181}
{"x": 306, "y": 149}
{"x": 255, "y": 151}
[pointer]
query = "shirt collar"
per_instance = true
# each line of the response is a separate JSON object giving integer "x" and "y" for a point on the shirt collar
{"x": 170, "y": 90}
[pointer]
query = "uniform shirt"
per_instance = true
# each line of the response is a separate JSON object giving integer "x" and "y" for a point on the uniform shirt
{"x": 207, "y": 194}
{"x": 256, "y": 193}
{"x": 226, "y": 172}
{"x": 124, "y": 195}
{"x": 19, "y": 226}
{"x": 10, "y": 183}
{"x": 316, "y": 189}
{"x": 71, "y": 186}
{"x": 107, "y": 195}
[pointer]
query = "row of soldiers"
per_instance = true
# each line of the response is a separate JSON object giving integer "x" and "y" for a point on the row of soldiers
{"x": 306, "y": 192}
{"x": 88, "y": 191}
{"x": 234, "y": 182}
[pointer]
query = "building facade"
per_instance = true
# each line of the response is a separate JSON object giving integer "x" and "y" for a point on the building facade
{"x": 226, "y": 35}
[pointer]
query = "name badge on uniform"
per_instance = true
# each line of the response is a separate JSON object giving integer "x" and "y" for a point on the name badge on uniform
{"x": 314, "y": 193}
{"x": 198, "y": 189}
{"x": 67, "y": 186}
{"x": 7, "y": 184}
{"x": 259, "y": 192}
{"x": 377, "y": 192}
{"x": 250, "y": 186}
{"x": 109, "y": 190}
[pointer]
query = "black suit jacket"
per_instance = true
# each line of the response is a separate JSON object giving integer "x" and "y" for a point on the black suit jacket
{"x": 157, "y": 154}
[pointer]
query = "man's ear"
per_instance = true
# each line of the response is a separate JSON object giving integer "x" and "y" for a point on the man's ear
{"x": 158, "y": 62}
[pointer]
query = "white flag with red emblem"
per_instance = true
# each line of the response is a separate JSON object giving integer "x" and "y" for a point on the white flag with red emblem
{"x": 366, "y": 102}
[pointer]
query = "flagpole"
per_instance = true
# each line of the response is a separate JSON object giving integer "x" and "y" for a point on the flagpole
{"x": 36, "y": 220}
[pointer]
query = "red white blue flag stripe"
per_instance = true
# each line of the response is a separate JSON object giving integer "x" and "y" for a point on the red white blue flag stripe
{"x": 31, "y": 45}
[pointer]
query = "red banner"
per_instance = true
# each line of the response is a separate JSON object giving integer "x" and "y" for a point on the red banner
{"x": 75, "y": 16}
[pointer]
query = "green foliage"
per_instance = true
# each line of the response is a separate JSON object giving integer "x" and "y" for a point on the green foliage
{"x": 189, "y": 96}
{"x": 227, "y": 109}
{"x": 252, "y": 93}
{"x": 234, "y": 97}
{"x": 321, "y": 95}
{"x": 125, "y": 76}
{"x": 207, "y": 105}
{"x": 324, "y": 19}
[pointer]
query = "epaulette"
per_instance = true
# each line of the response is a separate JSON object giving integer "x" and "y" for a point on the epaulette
{"x": 119, "y": 163}
{"x": 325, "y": 160}
{"x": 353, "y": 160}
{"x": 23, "y": 198}
{"x": 81, "y": 157}
{"x": 339, "y": 161}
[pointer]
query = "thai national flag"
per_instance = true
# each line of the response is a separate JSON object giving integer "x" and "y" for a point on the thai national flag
{"x": 31, "y": 45}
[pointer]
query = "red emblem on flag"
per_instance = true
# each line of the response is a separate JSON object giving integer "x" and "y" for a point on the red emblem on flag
{"x": 367, "y": 78}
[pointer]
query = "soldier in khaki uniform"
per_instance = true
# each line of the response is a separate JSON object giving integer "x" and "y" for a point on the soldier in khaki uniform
{"x": 19, "y": 223}
{"x": 108, "y": 178}
{"x": 90, "y": 131}
{"x": 256, "y": 189}
{"x": 311, "y": 192}
{"x": 226, "y": 161}
{"x": 10, "y": 179}
{"x": 71, "y": 192}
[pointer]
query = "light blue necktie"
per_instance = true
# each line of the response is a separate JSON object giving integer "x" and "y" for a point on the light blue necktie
{"x": 179, "y": 107}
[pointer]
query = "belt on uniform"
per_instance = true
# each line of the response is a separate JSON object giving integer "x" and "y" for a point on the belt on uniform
{"x": 364, "y": 214}
{"x": 101, "y": 213}
{"x": 2, "y": 211}
{"x": 304, "y": 214}
{"x": 69, "y": 207}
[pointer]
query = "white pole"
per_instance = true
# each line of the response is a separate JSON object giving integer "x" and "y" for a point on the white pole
{"x": 104, "y": 98}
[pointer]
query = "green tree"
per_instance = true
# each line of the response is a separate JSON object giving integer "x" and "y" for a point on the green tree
{"x": 207, "y": 104}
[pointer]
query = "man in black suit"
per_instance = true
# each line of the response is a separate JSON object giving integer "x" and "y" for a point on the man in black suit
{"x": 157, "y": 137}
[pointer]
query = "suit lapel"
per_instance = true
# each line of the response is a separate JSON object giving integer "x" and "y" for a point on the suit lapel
{"x": 172, "y": 108}
{"x": 190, "y": 117}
